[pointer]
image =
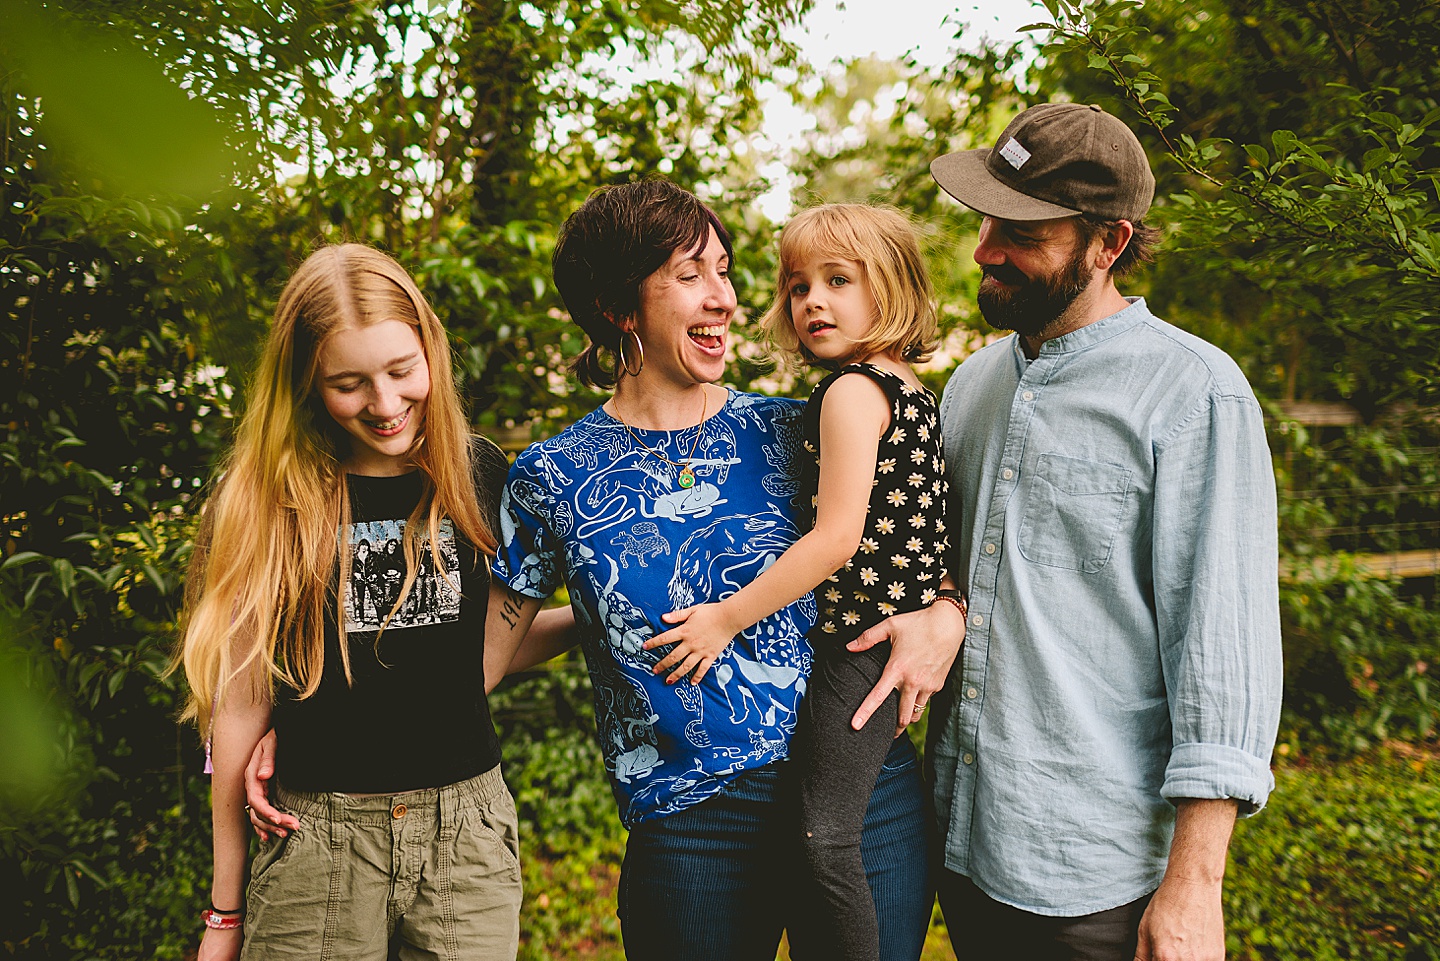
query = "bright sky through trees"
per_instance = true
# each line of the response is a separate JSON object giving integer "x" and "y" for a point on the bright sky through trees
{"x": 838, "y": 30}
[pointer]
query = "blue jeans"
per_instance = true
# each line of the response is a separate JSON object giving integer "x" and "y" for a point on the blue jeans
{"x": 720, "y": 880}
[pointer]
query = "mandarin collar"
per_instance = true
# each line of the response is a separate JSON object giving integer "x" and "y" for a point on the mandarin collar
{"x": 1089, "y": 335}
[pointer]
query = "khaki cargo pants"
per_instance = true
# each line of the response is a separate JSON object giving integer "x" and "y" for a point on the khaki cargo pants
{"x": 436, "y": 870}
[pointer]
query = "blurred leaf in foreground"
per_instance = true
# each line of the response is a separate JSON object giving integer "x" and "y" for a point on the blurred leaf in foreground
{"x": 109, "y": 108}
{"x": 29, "y": 726}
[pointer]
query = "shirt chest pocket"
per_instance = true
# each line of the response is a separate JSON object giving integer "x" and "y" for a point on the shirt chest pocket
{"x": 1073, "y": 510}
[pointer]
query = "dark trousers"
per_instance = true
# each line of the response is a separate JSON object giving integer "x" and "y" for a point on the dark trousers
{"x": 719, "y": 881}
{"x": 982, "y": 928}
{"x": 837, "y": 767}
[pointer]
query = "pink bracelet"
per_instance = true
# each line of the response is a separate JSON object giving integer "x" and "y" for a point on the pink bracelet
{"x": 222, "y": 922}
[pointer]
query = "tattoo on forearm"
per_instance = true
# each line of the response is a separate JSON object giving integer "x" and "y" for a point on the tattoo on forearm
{"x": 510, "y": 610}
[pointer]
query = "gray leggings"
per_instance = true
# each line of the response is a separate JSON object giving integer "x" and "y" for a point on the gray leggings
{"x": 838, "y": 767}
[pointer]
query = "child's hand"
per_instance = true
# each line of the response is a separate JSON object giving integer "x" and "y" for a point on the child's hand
{"x": 702, "y": 636}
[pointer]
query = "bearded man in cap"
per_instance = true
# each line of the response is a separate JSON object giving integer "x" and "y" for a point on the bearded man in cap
{"x": 1117, "y": 696}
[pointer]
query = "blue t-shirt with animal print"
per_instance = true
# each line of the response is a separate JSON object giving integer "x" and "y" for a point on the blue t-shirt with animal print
{"x": 592, "y": 508}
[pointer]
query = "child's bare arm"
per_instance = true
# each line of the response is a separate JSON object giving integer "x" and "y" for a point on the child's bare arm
{"x": 853, "y": 417}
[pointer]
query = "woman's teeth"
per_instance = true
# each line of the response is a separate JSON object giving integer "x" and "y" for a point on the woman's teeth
{"x": 708, "y": 336}
{"x": 389, "y": 426}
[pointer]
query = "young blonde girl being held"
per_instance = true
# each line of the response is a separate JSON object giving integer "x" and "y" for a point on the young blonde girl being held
{"x": 406, "y": 830}
{"x": 852, "y": 296}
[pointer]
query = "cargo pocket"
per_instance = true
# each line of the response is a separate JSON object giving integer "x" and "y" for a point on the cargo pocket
{"x": 270, "y": 856}
{"x": 497, "y": 825}
{"x": 1073, "y": 512}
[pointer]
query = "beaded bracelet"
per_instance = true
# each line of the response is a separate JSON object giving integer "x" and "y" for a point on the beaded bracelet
{"x": 956, "y": 598}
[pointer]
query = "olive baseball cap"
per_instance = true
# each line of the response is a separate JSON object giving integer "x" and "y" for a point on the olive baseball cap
{"x": 1054, "y": 160}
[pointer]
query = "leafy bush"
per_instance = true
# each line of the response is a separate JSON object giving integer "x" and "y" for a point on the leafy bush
{"x": 1358, "y": 648}
{"x": 107, "y": 426}
{"x": 1343, "y": 863}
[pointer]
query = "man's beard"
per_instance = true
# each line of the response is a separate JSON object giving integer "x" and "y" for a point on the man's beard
{"x": 1030, "y": 306}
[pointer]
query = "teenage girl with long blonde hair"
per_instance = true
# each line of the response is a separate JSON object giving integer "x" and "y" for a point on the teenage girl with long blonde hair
{"x": 354, "y": 432}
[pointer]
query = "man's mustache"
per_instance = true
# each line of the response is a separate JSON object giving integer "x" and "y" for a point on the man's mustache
{"x": 1005, "y": 273}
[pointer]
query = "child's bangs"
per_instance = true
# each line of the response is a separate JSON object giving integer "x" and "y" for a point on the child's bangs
{"x": 820, "y": 235}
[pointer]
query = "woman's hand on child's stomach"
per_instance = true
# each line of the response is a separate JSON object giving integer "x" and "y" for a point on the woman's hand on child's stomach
{"x": 702, "y": 634}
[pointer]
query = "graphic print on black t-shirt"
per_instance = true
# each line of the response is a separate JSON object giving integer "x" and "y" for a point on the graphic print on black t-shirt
{"x": 377, "y": 572}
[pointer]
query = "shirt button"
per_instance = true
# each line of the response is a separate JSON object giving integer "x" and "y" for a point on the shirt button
{"x": 1007, "y": 473}
{"x": 971, "y": 693}
{"x": 989, "y": 548}
{"x": 1028, "y": 395}
{"x": 976, "y": 619}
{"x": 399, "y": 811}
{"x": 969, "y": 759}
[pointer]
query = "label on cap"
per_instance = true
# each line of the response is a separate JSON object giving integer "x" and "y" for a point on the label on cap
{"x": 1014, "y": 154}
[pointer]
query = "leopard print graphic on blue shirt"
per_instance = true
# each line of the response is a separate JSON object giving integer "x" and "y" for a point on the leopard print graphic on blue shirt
{"x": 594, "y": 510}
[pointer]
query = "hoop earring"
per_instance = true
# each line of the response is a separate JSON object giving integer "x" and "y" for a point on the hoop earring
{"x": 624, "y": 359}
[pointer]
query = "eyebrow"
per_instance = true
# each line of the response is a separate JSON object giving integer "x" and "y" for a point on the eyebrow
{"x": 341, "y": 375}
{"x": 829, "y": 264}
{"x": 699, "y": 255}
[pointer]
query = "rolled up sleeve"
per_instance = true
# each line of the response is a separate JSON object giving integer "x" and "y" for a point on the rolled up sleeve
{"x": 1217, "y": 602}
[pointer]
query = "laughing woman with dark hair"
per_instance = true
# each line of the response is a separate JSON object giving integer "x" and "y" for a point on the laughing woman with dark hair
{"x": 678, "y": 491}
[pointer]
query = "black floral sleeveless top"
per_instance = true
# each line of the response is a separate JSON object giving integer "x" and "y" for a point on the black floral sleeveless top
{"x": 901, "y": 559}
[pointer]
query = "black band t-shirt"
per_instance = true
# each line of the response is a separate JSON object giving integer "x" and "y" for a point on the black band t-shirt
{"x": 415, "y": 714}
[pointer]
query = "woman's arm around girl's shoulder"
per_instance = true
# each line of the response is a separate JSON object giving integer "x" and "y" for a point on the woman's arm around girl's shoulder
{"x": 854, "y": 415}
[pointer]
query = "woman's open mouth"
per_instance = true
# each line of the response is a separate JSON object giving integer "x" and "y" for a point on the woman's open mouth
{"x": 389, "y": 428}
{"x": 711, "y": 336}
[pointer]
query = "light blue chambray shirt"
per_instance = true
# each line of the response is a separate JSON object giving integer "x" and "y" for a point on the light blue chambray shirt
{"x": 1113, "y": 507}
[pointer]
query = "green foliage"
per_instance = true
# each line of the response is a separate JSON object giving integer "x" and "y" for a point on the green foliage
{"x": 118, "y": 881}
{"x": 1358, "y": 657}
{"x": 29, "y": 724}
{"x": 1358, "y": 648}
{"x": 459, "y": 136}
{"x": 1326, "y": 205}
{"x": 1342, "y": 864}
{"x": 1300, "y": 203}
{"x": 108, "y": 423}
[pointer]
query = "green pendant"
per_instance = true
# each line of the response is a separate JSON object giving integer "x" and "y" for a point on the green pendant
{"x": 687, "y": 477}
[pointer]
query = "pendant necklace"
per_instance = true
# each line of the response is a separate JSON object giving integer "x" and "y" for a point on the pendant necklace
{"x": 687, "y": 476}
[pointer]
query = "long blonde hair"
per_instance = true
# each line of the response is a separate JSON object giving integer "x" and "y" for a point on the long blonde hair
{"x": 883, "y": 242}
{"x": 268, "y": 551}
